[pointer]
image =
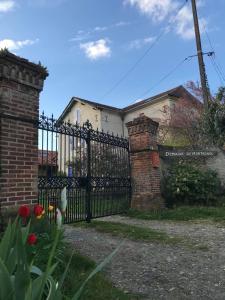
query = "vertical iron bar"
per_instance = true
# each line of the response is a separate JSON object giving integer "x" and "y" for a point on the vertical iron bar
{"x": 46, "y": 163}
{"x": 60, "y": 152}
{"x": 56, "y": 151}
{"x": 69, "y": 162}
{"x": 51, "y": 155}
{"x": 129, "y": 176}
{"x": 42, "y": 148}
{"x": 64, "y": 156}
{"x": 88, "y": 184}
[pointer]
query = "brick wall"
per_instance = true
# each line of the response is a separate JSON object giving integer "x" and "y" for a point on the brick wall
{"x": 144, "y": 158}
{"x": 20, "y": 85}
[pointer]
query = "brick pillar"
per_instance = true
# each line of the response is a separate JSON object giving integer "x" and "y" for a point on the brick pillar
{"x": 144, "y": 157}
{"x": 20, "y": 85}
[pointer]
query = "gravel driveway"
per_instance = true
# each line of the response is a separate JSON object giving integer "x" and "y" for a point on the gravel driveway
{"x": 159, "y": 271}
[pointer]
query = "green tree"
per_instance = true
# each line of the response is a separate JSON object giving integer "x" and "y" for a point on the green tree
{"x": 213, "y": 120}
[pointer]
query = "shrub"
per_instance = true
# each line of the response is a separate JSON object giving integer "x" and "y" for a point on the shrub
{"x": 186, "y": 184}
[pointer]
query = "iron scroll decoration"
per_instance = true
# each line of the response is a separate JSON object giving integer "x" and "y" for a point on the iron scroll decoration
{"x": 85, "y": 132}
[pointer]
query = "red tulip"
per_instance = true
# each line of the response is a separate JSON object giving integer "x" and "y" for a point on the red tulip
{"x": 38, "y": 210}
{"x": 24, "y": 211}
{"x": 32, "y": 239}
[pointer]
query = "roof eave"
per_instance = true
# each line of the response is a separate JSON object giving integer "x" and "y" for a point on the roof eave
{"x": 148, "y": 101}
{"x": 67, "y": 109}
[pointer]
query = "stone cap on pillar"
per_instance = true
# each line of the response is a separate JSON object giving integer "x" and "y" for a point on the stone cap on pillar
{"x": 142, "y": 134}
{"x": 13, "y": 67}
{"x": 142, "y": 124}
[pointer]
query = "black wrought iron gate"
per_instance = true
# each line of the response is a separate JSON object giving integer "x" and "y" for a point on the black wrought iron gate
{"x": 85, "y": 170}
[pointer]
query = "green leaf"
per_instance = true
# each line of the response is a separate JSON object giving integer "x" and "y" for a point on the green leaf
{"x": 6, "y": 289}
{"x": 36, "y": 286}
{"x": 25, "y": 233}
{"x": 22, "y": 275}
{"x": 52, "y": 268}
{"x": 5, "y": 244}
{"x": 95, "y": 271}
{"x": 12, "y": 260}
{"x": 65, "y": 272}
{"x": 52, "y": 290}
{"x": 49, "y": 267}
{"x": 36, "y": 270}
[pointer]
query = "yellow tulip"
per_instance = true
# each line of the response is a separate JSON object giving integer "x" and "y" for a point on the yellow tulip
{"x": 50, "y": 208}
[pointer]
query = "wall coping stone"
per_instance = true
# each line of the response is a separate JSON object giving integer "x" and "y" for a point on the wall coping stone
{"x": 142, "y": 124}
{"x": 21, "y": 70}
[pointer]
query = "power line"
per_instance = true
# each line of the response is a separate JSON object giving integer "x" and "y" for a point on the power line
{"x": 188, "y": 58}
{"x": 219, "y": 66}
{"x": 216, "y": 66}
{"x": 167, "y": 75}
{"x": 217, "y": 70}
{"x": 161, "y": 34}
{"x": 133, "y": 67}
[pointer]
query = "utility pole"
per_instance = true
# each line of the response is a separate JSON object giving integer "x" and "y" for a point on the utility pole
{"x": 203, "y": 77}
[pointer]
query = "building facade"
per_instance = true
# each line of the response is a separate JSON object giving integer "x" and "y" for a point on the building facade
{"x": 113, "y": 120}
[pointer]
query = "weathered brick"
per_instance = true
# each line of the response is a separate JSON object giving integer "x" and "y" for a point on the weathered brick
{"x": 18, "y": 138}
{"x": 145, "y": 172}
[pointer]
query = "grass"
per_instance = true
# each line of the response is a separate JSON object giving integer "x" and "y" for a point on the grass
{"x": 102, "y": 203}
{"x": 185, "y": 213}
{"x": 140, "y": 234}
{"x": 98, "y": 288}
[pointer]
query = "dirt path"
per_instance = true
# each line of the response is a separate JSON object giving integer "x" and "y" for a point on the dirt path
{"x": 157, "y": 271}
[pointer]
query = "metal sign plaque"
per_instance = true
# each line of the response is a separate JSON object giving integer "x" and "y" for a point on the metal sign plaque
{"x": 188, "y": 153}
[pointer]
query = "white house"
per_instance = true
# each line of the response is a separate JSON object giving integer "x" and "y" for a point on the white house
{"x": 113, "y": 119}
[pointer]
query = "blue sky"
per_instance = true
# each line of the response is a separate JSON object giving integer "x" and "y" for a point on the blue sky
{"x": 88, "y": 46}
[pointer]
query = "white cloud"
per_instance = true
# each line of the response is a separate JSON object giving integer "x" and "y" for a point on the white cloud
{"x": 82, "y": 35}
{"x": 100, "y": 28}
{"x": 158, "y": 10}
{"x": 121, "y": 23}
{"x": 13, "y": 45}
{"x": 139, "y": 43}
{"x": 184, "y": 23}
{"x": 161, "y": 10}
{"x": 6, "y": 5}
{"x": 184, "y": 26}
{"x": 118, "y": 24}
{"x": 96, "y": 49}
